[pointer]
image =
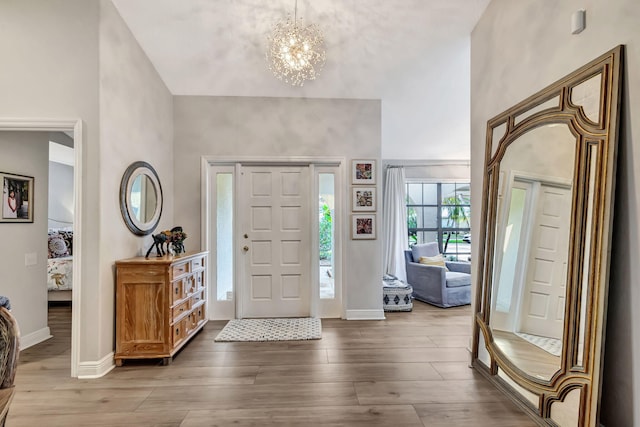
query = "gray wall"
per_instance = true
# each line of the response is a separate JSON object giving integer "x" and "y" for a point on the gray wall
{"x": 60, "y": 195}
{"x": 127, "y": 116}
{"x": 26, "y": 153}
{"x": 49, "y": 51}
{"x": 246, "y": 126}
{"x": 136, "y": 123}
{"x": 518, "y": 48}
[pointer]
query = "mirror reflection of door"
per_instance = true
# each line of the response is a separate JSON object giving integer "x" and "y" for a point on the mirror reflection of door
{"x": 532, "y": 267}
{"x": 532, "y": 235}
{"x": 276, "y": 249}
{"x": 529, "y": 302}
{"x": 543, "y": 303}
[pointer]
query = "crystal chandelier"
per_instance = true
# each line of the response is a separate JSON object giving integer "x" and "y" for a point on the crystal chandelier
{"x": 295, "y": 52}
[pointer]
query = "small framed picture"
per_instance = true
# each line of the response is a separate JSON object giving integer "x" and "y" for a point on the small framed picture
{"x": 363, "y": 171}
{"x": 363, "y": 199}
{"x": 17, "y": 198}
{"x": 363, "y": 226}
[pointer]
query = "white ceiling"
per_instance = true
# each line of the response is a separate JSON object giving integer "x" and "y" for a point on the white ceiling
{"x": 216, "y": 47}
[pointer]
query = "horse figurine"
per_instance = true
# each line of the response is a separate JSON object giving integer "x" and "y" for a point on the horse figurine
{"x": 173, "y": 237}
{"x": 159, "y": 240}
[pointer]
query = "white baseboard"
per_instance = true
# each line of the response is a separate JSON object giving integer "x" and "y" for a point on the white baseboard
{"x": 365, "y": 314}
{"x": 34, "y": 338}
{"x": 88, "y": 370}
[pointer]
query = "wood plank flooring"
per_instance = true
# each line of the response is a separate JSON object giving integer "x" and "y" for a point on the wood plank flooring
{"x": 408, "y": 370}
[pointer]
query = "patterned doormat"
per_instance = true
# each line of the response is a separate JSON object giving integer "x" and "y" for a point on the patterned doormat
{"x": 550, "y": 345}
{"x": 290, "y": 329}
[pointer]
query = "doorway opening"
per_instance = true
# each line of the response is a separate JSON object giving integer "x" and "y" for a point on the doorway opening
{"x": 72, "y": 127}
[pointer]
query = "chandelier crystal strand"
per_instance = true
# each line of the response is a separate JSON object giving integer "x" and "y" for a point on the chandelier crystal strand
{"x": 295, "y": 53}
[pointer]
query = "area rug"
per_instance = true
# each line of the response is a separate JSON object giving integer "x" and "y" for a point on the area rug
{"x": 550, "y": 345}
{"x": 290, "y": 329}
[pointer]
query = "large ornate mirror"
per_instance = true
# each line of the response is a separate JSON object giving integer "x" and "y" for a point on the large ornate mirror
{"x": 141, "y": 198}
{"x": 544, "y": 258}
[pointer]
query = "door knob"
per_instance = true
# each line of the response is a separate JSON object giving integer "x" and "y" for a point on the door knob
{"x": 246, "y": 248}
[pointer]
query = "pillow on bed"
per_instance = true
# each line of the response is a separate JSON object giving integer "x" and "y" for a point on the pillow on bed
{"x": 57, "y": 246}
{"x": 68, "y": 239}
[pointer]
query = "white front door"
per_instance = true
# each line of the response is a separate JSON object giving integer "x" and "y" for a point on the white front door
{"x": 545, "y": 285}
{"x": 275, "y": 241}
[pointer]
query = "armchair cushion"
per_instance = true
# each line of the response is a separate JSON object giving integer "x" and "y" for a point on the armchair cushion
{"x": 455, "y": 279}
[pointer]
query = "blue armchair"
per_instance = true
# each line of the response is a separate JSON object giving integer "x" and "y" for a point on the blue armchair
{"x": 435, "y": 285}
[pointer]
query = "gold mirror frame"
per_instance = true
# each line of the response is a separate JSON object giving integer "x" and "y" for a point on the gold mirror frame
{"x": 589, "y": 243}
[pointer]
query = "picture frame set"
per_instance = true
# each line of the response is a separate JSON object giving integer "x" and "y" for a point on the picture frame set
{"x": 363, "y": 199}
{"x": 17, "y": 198}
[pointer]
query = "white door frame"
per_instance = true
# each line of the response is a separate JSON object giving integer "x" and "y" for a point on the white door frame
{"x": 207, "y": 162}
{"x": 61, "y": 125}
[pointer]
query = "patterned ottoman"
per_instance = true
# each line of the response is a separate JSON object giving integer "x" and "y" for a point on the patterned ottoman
{"x": 396, "y": 296}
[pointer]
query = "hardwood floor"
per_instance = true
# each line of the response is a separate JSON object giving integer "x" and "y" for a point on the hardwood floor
{"x": 408, "y": 370}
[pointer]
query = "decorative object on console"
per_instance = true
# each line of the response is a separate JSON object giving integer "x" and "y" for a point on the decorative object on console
{"x": 173, "y": 239}
{"x": 177, "y": 240}
{"x": 296, "y": 52}
{"x": 17, "y": 198}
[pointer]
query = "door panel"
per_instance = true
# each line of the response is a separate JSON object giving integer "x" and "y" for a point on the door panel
{"x": 277, "y": 254}
{"x": 545, "y": 288}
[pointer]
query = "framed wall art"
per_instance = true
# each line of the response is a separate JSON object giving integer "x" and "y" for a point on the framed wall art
{"x": 363, "y": 226}
{"x": 17, "y": 198}
{"x": 363, "y": 172}
{"x": 363, "y": 199}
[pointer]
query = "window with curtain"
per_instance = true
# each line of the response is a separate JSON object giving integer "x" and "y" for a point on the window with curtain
{"x": 440, "y": 212}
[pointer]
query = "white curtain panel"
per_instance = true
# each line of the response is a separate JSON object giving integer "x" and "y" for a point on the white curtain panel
{"x": 394, "y": 214}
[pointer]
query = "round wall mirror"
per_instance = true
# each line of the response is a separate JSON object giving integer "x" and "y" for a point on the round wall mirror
{"x": 141, "y": 198}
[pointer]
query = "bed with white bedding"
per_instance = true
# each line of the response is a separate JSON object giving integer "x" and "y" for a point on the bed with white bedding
{"x": 60, "y": 265}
